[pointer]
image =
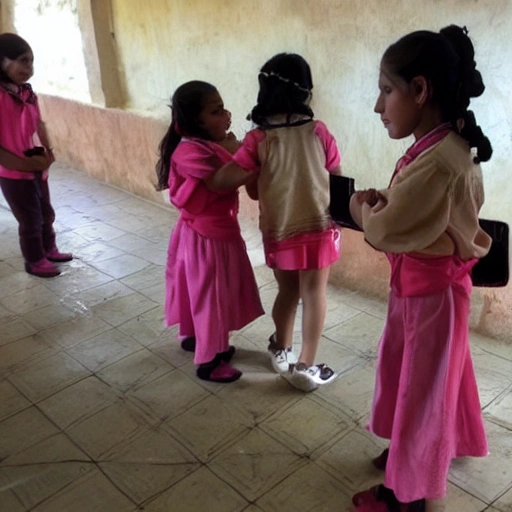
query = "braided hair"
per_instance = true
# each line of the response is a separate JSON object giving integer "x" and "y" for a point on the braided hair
{"x": 187, "y": 103}
{"x": 285, "y": 88}
{"x": 447, "y": 61}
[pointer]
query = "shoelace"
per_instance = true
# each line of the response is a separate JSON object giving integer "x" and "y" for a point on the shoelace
{"x": 322, "y": 370}
{"x": 280, "y": 355}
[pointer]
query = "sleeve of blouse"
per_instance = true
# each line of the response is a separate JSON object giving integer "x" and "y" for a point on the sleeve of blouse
{"x": 191, "y": 163}
{"x": 196, "y": 159}
{"x": 247, "y": 157}
{"x": 332, "y": 154}
{"x": 4, "y": 124}
{"x": 416, "y": 214}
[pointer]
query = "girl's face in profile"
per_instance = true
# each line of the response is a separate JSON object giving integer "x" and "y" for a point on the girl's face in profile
{"x": 214, "y": 118}
{"x": 21, "y": 69}
{"x": 397, "y": 106}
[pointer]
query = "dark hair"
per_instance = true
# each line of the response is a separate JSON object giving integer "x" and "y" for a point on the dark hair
{"x": 447, "y": 61}
{"x": 186, "y": 104}
{"x": 11, "y": 46}
{"x": 285, "y": 86}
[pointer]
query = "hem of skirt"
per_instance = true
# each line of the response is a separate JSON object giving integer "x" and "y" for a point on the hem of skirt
{"x": 235, "y": 327}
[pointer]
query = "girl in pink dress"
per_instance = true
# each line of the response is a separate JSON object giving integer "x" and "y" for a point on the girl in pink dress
{"x": 287, "y": 160}
{"x": 23, "y": 168}
{"x": 426, "y": 399}
{"x": 210, "y": 284}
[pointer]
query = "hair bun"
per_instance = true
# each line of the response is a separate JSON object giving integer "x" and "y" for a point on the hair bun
{"x": 470, "y": 77}
{"x": 475, "y": 84}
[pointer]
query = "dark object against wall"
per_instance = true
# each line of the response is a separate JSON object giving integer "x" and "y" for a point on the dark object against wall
{"x": 491, "y": 271}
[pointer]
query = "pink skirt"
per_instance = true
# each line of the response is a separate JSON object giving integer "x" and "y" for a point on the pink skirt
{"x": 210, "y": 289}
{"x": 304, "y": 252}
{"x": 426, "y": 398}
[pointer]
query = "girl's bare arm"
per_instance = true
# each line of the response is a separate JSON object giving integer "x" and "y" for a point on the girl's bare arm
{"x": 16, "y": 163}
{"x": 229, "y": 177}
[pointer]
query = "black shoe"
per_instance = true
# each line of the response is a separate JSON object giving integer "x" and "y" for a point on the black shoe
{"x": 189, "y": 344}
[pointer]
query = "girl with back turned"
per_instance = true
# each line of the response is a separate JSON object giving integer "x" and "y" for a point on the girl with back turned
{"x": 286, "y": 162}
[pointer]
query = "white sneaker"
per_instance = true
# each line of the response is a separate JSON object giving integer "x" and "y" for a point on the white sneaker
{"x": 281, "y": 358}
{"x": 310, "y": 378}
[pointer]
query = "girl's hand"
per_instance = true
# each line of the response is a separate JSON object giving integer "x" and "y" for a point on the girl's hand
{"x": 371, "y": 197}
{"x": 251, "y": 187}
{"x": 39, "y": 162}
{"x": 367, "y": 196}
{"x": 51, "y": 156}
{"x": 230, "y": 143}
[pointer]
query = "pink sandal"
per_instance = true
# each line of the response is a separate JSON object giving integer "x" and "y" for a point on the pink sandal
{"x": 382, "y": 499}
{"x": 58, "y": 257}
{"x": 42, "y": 268}
{"x": 189, "y": 345}
{"x": 378, "y": 506}
{"x": 221, "y": 372}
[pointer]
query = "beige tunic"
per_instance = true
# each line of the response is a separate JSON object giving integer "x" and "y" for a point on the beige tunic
{"x": 432, "y": 206}
{"x": 293, "y": 184}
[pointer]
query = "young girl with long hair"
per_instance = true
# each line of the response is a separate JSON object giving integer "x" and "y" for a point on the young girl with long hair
{"x": 24, "y": 167}
{"x": 210, "y": 284}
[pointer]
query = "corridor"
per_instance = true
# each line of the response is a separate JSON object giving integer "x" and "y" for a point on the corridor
{"x": 100, "y": 409}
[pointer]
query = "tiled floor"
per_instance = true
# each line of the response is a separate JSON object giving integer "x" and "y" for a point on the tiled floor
{"x": 100, "y": 410}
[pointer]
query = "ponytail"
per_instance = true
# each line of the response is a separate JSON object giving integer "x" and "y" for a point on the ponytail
{"x": 470, "y": 85}
{"x": 475, "y": 137}
{"x": 187, "y": 105}
{"x": 166, "y": 148}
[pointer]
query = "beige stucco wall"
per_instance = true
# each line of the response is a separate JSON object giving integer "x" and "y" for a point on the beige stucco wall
{"x": 162, "y": 43}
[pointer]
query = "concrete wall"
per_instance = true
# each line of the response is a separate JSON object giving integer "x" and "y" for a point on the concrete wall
{"x": 146, "y": 49}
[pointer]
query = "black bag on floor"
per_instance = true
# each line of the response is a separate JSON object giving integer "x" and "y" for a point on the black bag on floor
{"x": 493, "y": 269}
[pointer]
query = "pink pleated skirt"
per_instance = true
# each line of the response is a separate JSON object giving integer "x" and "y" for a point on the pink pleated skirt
{"x": 306, "y": 251}
{"x": 426, "y": 398}
{"x": 210, "y": 289}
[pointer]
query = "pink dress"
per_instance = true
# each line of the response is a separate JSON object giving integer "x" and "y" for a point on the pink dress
{"x": 18, "y": 125}
{"x": 426, "y": 398}
{"x": 307, "y": 250}
{"x": 210, "y": 284}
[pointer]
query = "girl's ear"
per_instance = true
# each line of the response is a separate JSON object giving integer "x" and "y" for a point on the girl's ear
{"x": 421, "y": 90}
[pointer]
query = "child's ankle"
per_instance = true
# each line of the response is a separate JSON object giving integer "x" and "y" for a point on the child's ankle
{"x": 435, "y": 505}
{"x": 273, "y": 344}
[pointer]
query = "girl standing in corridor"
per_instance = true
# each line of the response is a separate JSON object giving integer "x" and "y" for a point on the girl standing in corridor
{"x": 426, "y": 399}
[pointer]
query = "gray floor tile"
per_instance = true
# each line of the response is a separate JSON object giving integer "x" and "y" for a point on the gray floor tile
{"x": 100, "y": 408}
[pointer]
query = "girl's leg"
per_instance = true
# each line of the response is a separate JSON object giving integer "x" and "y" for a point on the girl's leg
{"x": 313, "y": 286}
{"x": 24, "y": 200}
{"x": 186, "y": 332}
{"x": 48, "y": 216}
{"x": 435, "y": 506}
{"x": 285, "y": 306}
{"x": 49, "y": 244}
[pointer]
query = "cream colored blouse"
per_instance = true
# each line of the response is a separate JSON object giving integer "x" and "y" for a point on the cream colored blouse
{"x": 432, "y": 206}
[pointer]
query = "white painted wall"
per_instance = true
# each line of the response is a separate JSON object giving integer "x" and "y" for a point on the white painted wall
{"x": 164, "y": 43}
